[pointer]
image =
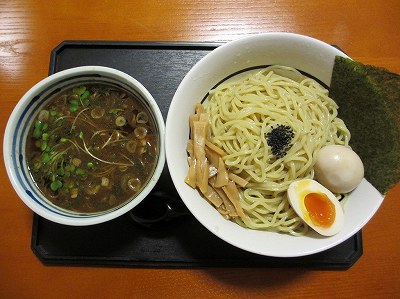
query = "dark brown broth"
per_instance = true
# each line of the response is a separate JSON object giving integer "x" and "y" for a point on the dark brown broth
{"x": 89, "y": 151}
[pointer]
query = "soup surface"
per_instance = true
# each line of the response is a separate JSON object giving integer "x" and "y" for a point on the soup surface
{"x": 92, "y": 148}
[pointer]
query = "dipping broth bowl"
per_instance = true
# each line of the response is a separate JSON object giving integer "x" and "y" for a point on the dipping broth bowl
{"x": 25, "y": 113}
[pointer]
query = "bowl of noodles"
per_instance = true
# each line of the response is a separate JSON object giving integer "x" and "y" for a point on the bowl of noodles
{"x": 260, "y": 111}
{"x": 85, "y": 145}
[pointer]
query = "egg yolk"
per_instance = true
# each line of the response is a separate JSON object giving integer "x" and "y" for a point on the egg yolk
{"x": 320, "y": 209}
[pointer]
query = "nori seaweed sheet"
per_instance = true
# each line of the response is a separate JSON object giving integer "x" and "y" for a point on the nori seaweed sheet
{"x": 369, "y": 103}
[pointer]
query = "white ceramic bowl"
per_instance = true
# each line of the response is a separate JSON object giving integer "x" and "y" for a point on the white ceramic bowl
{"x": 304, "y": 53}
{"x": 20, "y": 121}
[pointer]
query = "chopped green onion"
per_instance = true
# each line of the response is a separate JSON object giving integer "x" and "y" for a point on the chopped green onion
{"x": 43, "y": 145}
{"x": 45, "y": 158}
{"x": 115, "y": 110}
{"x": 55, "y": 185}
{"x": 85, "y": 98}
{"x": 74, "y": 105}
{"x": 80, "y": 171}
{"x": 36, "y": 166}
{"x": 70, "y": 167}
{"x": 37, "y": 132}
{"x": 60, "y": 171}
{"x": 79, "y": 90}
{"x": 38, "y": 124}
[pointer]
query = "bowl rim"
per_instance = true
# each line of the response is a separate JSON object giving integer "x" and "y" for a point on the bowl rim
{"x": 26, "y": 99}
{"x": 217, "y": 227}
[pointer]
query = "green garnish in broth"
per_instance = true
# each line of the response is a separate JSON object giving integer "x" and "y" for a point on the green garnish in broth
{"x": 83, "y": 158}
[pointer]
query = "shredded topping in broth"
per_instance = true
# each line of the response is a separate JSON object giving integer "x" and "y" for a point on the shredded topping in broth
{"x": 92, "y": 148}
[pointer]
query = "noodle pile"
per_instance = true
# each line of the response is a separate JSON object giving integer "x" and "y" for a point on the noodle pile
{"x": 268, "y": 128}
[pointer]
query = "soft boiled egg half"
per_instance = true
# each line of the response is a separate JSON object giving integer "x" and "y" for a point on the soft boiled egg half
{"x": 317, "y": 206}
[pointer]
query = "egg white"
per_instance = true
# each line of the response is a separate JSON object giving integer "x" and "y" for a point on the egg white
{"x": 338, "y": 168}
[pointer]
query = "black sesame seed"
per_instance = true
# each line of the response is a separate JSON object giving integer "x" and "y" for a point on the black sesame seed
{"x": 279, "y": 139}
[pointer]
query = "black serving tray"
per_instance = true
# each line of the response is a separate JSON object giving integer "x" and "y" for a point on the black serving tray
{"x": 167, "y": 235}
